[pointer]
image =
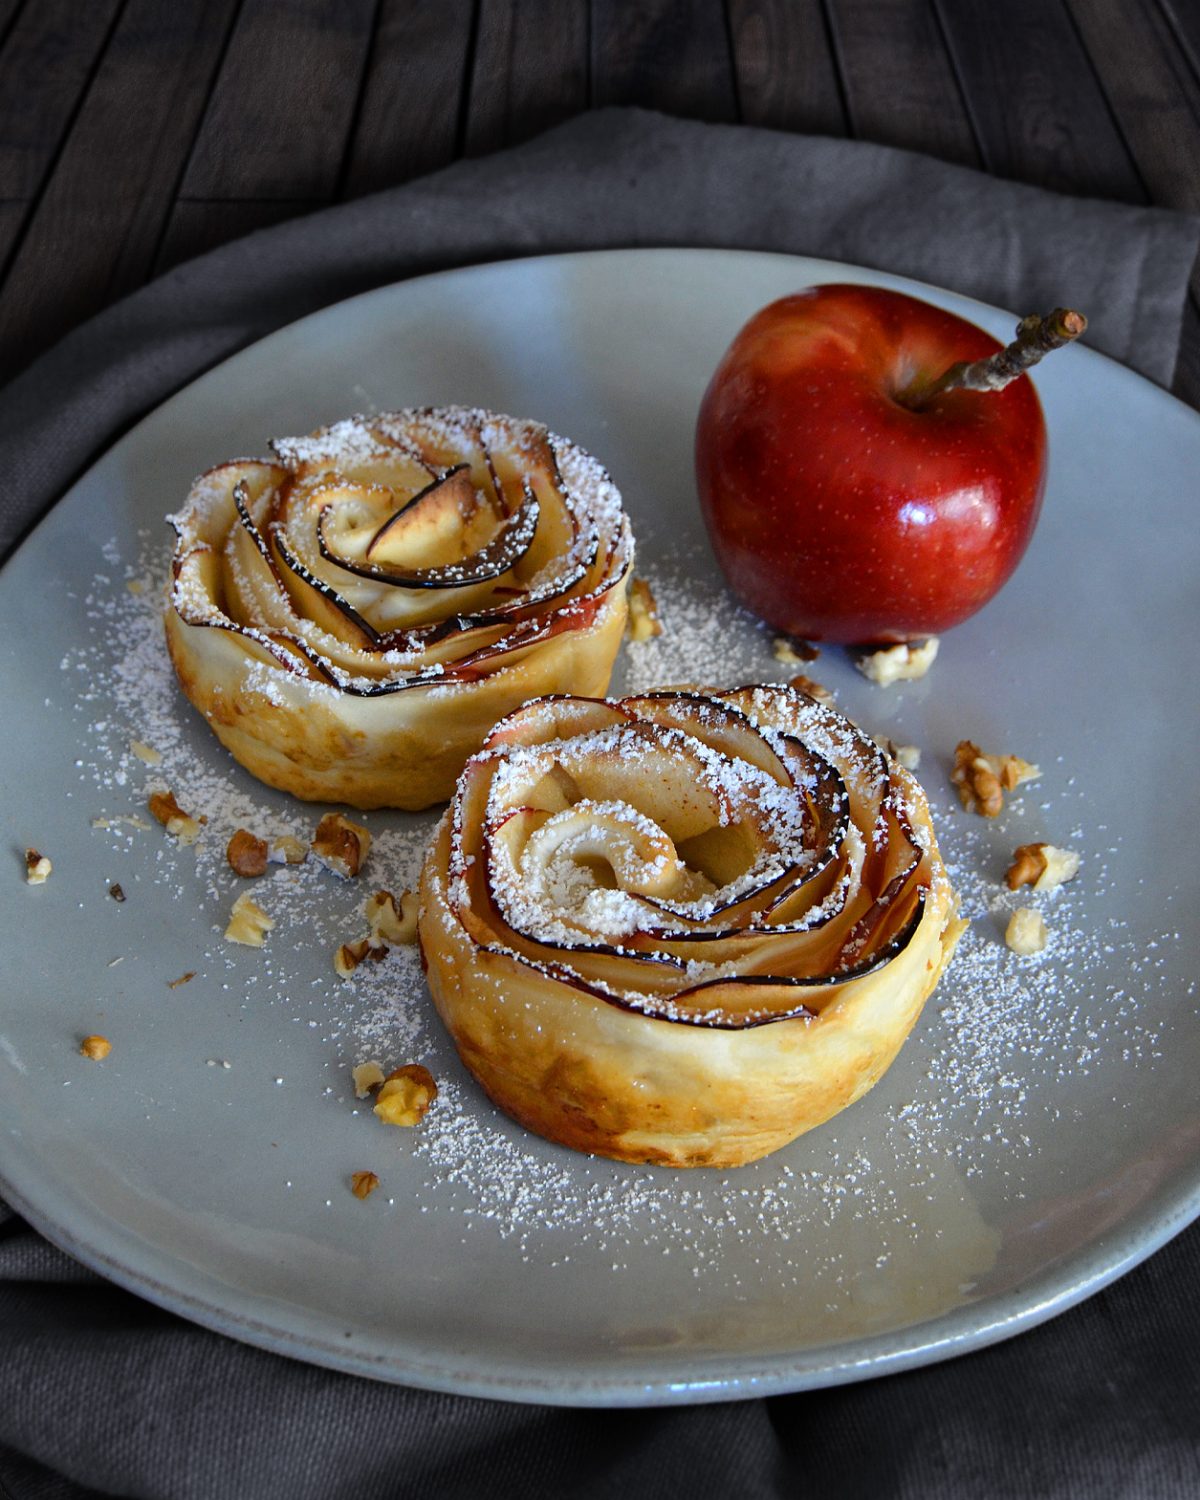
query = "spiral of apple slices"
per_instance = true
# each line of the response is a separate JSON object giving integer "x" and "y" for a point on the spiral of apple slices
{"x": 683, "y": 927}
{"x": 353, "y": 615}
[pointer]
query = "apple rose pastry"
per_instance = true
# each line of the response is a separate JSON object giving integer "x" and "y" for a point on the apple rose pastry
{"x": 685, "y": 927}
{"x": 353, "y": 615}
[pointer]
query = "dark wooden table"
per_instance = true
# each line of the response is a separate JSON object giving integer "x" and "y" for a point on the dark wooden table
{"x": 137, "y": 133}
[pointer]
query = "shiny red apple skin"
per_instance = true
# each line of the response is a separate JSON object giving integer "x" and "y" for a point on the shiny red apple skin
{"x": 837, "y": 512}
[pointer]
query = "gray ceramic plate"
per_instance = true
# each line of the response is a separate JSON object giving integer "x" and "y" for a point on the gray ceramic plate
{"x": 1039, "y": 1133}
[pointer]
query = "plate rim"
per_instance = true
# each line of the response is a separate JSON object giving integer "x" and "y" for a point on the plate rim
{"x": 1159, "y": 1218}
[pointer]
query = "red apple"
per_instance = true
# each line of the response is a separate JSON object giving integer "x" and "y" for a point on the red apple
{"x": 846, "y": 503}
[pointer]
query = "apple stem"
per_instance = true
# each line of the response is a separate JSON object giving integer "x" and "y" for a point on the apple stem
{"x": 1036, "y": 336}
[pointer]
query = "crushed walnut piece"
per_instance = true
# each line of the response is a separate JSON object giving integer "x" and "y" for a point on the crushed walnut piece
{"x": 901, "y": 663}
{"x": 814, "y": 689}
{"x": 1043, "y": 866}
{"x": 366, "y": 1076}
{"x": 348, "y": 956}
{"x": 363, "y": 1184}
{"x": 340, "y": 845}
{"x": 173, "y": 818}
{"x": 391, "y": 924}
{"x": 146, "y": 753}
{"x": 793, "y": 652}
{"x": 247, "y": 854}
{"x": 644, "y": 623}
{"x": 174, "y": 984}
{"x": 909, "y": 756}
{"x": 37, "y": 867}
{"x": 1026, "y": 931}
{"x": 248, "y": 923}
{"x": 95, "y": 1047}
{"x": 983, "y": 779}
{"x": 405, "y": 1095}
{"x": 117, "y": 892}
{"x": 286, "y": 850}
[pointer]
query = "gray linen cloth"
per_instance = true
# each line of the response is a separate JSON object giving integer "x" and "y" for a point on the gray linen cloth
{"x": 615, "y": 177}
{"x": 103, "y": 1394}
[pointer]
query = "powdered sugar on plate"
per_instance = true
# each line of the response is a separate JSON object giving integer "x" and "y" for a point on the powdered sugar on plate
{"x": 984, "y": 1070}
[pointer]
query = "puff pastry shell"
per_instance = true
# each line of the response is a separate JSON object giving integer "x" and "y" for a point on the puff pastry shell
{"x": 684, "y": 927}
{"x": 354, "y": 614}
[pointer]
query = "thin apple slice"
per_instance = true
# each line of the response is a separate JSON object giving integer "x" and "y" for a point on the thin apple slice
{"x": 348, "y": 517}
{"x": 431, "y": 527}
{"x": 737, "y": 1004}
{"x": 718, "y": 725}
{"x": 556, "y": 718}
{"x": 318, "y": 601}
{"x": 508, "y": 544}
{"x": 532, "y": 466}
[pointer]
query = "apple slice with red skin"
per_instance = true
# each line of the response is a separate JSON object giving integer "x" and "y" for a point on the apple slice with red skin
{"x": 318, "y": 601}
{"x": 851, "y": 492}
{"x": 509, "y": 542}
{"x": 434, "y": 518}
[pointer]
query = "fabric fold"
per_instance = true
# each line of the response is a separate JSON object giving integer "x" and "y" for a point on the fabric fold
{"x": 612, "y": 178}
{"x": 100, "y": 1393}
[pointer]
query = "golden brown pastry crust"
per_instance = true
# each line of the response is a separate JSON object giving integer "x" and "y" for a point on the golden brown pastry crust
{"x": 819, "y": 953}
{"x": 353, "y": 616}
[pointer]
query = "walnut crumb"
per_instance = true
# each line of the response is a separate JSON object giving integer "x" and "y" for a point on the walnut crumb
{"x": 1026, "y": 932}
{"x": 247, "y": 854}
{"x": 340, "y": 845}
{"x": 901, "y": 663}
{"x": 95, "y": 1047}
{"x": 248, "y": 923}
{"x": 117, "y": 892}
{"x": 1043, "y": 866}
{"x": 146, "y": 753}
{"x": 983, "y": 779}
{"x": 813, "y": 688}
{"x": 348, "y": 956}
{"x": 793, "y": 652}
{"x": 363, "y": 1184}
{"x": 37, "y": 867}
{"x": 174, "y": 984}
{"x": 392, "y": 924}
{"x": 405, "y": 1095}
{"x": 286, "y": 850}
{"x": 909, "y": 756}
{"x": 173, "y": 818}
{"x": 644, "y": 623}
{"x": 366, "y": 1076}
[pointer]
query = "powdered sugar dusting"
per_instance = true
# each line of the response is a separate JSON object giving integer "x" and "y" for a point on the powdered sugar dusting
{"x": 983, "y": 1077}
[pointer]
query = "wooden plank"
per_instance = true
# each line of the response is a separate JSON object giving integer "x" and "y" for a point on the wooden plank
{"x": 412, "y": 97}
{"x": 282, "y": 112}
{"x": 96, "y": 229}
{"x": 45, "y": 66}
{"x": 1152, "y": 90}
{"x": 786, "y": 74}
{"x": 1155, "y": 95}
{"x": 900, "y": 84}
{"x": 197, "y": 226}
{"x": 1036, "y": 105}
{"x": 530, "y": 70}
{"x": 671, "y": 55}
